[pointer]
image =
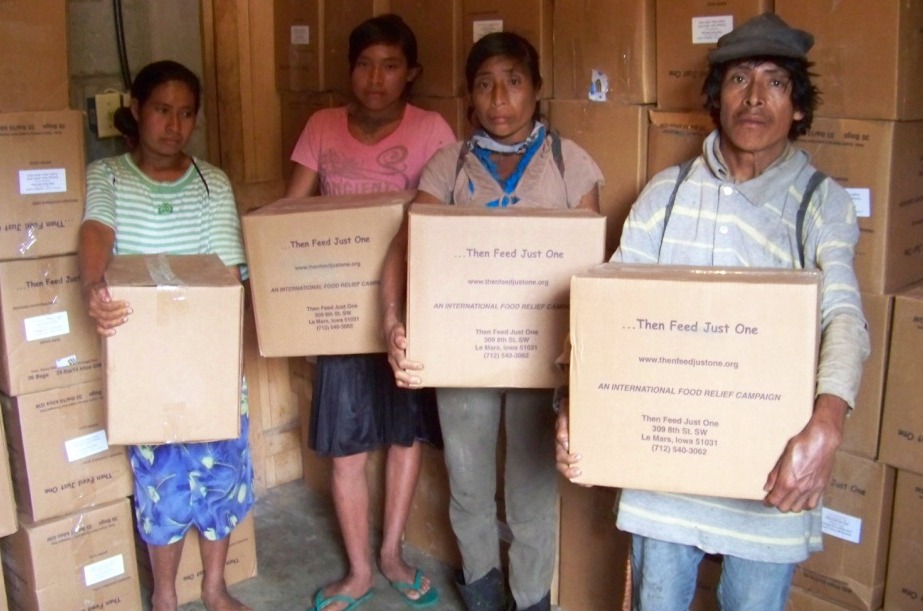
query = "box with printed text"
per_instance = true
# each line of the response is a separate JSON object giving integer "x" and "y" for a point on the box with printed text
{"x": 42, "y": 183}
{"x": 677, "y": 372}
{"x": 48, "y": 340}
{"x": 84, "y": 560}
{"x": 60, "y": 455}
{"x": 315, "y": 265}
{"x": 487, "y": 291}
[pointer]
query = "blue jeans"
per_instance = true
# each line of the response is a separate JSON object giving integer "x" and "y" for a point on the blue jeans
{"x": 664, "y": 574}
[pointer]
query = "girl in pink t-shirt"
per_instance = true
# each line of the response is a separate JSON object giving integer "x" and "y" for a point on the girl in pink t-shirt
{"x": 378, "y": 142}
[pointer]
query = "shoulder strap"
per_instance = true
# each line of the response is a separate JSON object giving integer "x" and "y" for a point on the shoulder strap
{"x": 684, "y": 168}
{"x": 556, "y": 150}
{"x": 816, "y": 178}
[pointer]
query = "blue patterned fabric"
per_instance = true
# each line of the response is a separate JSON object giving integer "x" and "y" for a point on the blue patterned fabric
{"x": 180, "y": 485}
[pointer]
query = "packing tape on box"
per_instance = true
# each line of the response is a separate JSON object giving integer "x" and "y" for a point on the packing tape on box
{"x": 171, "y": 294}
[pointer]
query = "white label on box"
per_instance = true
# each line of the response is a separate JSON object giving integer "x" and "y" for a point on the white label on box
{"x": 841, "y": 525}
{"x": 103, "y": 570}
{"x": 481, "y": 29}
{"x": 45, "y": 326}
{"x": 79, "y": 448}
{"x": 862, "y": 200}
{"x": 32, "y": 182}
{"x": 300, "y": 35}
{"x": 707, "y": 30}
{"x": 66, "y": 361}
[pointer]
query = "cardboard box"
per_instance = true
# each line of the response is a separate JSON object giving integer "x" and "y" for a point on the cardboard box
{"x": 42, "y": 182}
{"x": 487, "y": 291}
{"x": 61, "y": 459}
{"x": 298, "y": 44}
{"x": 866, "y": 55}
{"x": 800, "y": 600}
{"x": 686, "y": 31}
{"x": 48, "y": 340}
{"x": 84, "y": 560}
{"x": 437, "y": 24}
{"x": 240, "y": 565}
{"x": 901, "y": 443}
{"x": 856, "y": 524}
{"x": 881, "y": 165}
{"x": 604, "y": 50}
{"x": 615, "y": 136}
{"x": 173, "y": 370}
{"x": 674, "y": 137}
{"x": 32, "y": 30}
{"x": 531, "y": 19}
{"x": 710, "y": 375}
{"x": 862, "y": 430}
{"x": 8, "y": 521}
{"x": 594, "y": 554}
{"x": 315, "y": 265}
{"x": 904, "y": 583}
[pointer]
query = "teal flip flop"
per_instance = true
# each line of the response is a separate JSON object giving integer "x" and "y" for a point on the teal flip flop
{"x": 430, "y": 598}
{"x": 321, "y": 602}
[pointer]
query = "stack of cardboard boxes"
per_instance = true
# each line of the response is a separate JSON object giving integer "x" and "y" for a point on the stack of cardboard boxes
{"x": 623, "y": 79}
{"x": 72, "y": 543}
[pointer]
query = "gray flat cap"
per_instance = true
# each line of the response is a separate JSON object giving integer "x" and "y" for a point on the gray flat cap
{"x": 762, "y": 35}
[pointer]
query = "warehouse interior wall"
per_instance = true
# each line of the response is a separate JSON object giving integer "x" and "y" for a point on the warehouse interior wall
{"x": 165, "y": 29}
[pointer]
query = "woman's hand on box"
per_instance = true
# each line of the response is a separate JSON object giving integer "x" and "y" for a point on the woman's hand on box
{"x": 107, "y": 314}
{"x": 565, "y": 460}
{"x": 405, "y": 375}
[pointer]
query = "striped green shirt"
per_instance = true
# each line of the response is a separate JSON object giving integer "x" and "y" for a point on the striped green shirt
{"x": 193, "y": 215}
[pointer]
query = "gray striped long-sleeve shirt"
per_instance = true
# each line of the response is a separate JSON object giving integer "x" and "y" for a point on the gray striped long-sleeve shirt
{"x": 718, "y": 222}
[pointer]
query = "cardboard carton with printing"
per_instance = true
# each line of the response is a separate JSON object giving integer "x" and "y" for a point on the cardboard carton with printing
{"x": 689, "y": 379}
{"x": 84, "y": 560}
{"x": 173, "y": 371}
{"x": 904, "y": 581}
{"x": 315, "y": 265}
{"x": 61, "y": 458}
{"x": 42, "y": 184}
{"x": 48, "y": 341}
{"x": 901, "y": 443}
{"x": 8, "y": 520}
{"x": 487, "y": 291}
{"x": 856, "y": 522}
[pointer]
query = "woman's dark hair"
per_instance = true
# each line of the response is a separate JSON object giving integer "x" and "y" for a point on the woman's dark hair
{"x": 509, "y": 45}
{"x": 805, "y": 95}
{"x": 146, "y": 81}
{"x": 387, "y": 29}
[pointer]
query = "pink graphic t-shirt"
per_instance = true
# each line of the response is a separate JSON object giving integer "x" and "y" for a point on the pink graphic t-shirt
{"x": 346, "y": 166}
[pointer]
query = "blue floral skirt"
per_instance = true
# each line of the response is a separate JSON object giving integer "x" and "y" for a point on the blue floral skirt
{"x": 181, "y": 485}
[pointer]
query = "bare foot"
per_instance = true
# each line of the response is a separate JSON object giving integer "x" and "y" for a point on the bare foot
{"x": 396, "y": 570}
{"x": 222, "y": 601}
{"x": 352, "y": 586}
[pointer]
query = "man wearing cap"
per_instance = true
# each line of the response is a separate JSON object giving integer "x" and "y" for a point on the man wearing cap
{"x": 738, "y": 206}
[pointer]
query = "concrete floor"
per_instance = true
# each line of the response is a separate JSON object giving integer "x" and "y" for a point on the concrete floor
{"x": 299, "y": 550}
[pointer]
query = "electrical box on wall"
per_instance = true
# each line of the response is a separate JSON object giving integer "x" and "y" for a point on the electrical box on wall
{"x": 101, "y": 111}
